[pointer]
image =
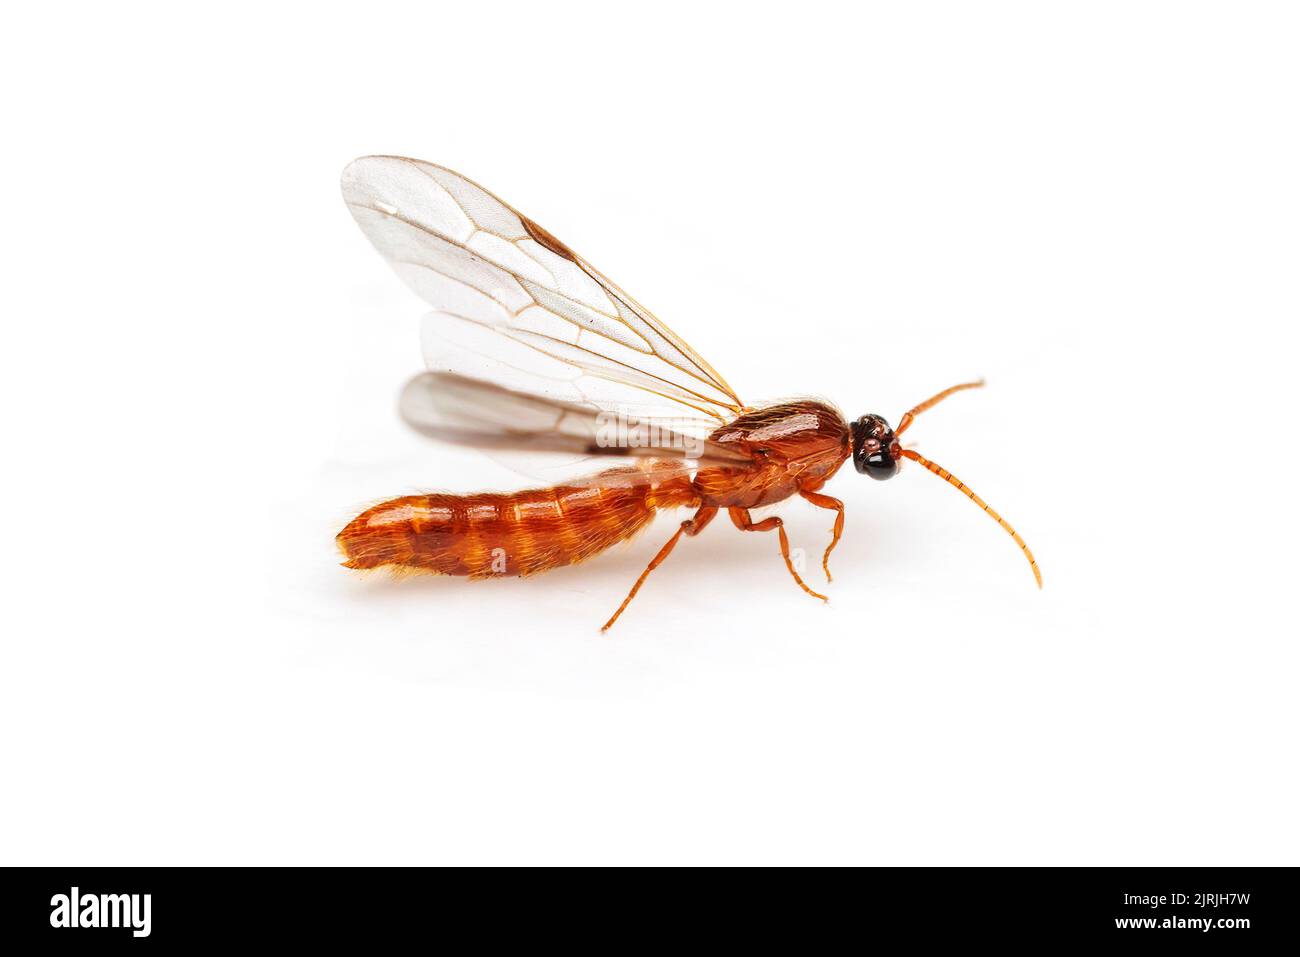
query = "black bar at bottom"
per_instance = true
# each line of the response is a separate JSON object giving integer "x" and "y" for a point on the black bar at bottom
{"x": 1225, "y": 908}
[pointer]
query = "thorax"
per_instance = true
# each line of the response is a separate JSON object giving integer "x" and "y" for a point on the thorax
{"x": 791, "y": 445}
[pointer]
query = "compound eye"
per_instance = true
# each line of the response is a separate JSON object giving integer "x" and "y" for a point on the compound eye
{"x": 879, "y": 464}
{"x": 875, "y": 451}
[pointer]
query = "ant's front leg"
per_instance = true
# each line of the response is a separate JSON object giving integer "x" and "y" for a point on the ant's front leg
{"x": 825, "y": 501}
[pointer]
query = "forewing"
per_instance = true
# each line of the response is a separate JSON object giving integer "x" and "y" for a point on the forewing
{"x": 484, "y": 265}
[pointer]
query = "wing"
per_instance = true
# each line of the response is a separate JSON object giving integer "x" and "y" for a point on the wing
{"x": 486, "y": 267}
{"x": 454, "y": 408}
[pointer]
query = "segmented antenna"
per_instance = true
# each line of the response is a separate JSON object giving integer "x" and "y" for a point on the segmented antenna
{"x": 958, "y": 484}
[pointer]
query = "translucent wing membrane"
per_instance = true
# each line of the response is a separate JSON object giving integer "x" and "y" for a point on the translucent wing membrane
{"x": 513, "y": 295}
{"x": 455, "y": 408}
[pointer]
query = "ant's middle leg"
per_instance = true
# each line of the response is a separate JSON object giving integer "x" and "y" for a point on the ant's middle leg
{"x": 741, "y": 519}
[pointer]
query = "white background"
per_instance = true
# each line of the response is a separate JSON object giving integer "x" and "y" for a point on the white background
{"x": 1093, "y": 205}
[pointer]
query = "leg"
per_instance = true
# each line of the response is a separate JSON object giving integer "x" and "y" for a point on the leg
{"x": 825, "y": 501}
{"x": 740, "y": 517}
{"x": 692, "y": 526}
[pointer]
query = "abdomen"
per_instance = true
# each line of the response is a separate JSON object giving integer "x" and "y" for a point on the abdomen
{"x": 489, "y": 534}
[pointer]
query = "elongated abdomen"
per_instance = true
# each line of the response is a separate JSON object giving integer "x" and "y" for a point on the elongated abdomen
{"x": 489, "y": 534}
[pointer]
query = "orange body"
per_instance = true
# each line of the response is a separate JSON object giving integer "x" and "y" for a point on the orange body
{"x": 548, "y": 317}
{"x": 793, "y": 446}
{"x": 519, "y": 533}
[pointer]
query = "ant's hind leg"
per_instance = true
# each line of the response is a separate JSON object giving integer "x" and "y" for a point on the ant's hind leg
{"x": 692, "y": 526}
{"x": 825, "y": 501}
{"x": 740, "y": 517}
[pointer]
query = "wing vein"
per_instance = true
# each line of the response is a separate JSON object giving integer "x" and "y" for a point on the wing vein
{"x": 428, "y": 217}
